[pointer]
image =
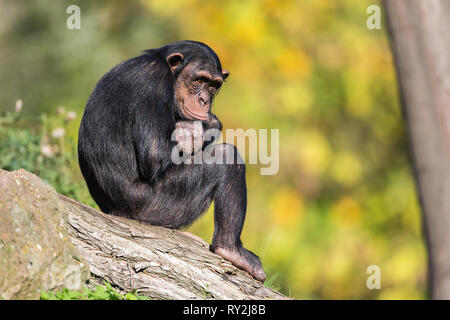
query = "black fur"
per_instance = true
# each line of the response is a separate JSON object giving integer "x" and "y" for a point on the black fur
{"x": 124, "y": 151}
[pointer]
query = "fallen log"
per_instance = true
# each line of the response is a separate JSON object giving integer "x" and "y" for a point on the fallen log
{"x": 156, "y": 262}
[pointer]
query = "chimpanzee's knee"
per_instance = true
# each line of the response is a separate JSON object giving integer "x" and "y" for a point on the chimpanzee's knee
{"x": 228, "y": 173}
{"x": 225, "y": 154}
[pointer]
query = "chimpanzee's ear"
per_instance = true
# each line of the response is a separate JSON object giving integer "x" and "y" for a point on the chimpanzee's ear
{"x": 174, "y": 60}
{"x": 225, "y": 74}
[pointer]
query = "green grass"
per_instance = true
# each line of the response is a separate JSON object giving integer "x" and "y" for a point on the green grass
{"x": 105, "y": 292}
{"x": 271, "y": 283}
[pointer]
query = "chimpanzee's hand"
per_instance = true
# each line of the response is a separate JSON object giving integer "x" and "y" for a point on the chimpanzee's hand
{"x": 212, "y": 128}
{"x": 189, "y": 135}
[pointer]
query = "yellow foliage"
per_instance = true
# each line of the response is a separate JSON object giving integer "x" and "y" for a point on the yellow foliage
{"x": 358, "y": 93}
{"x": 338, "y": 265}
{"x": 287, "y": 207}
{"x": 293, "y": 64}
{"x": 346, "y": 212}
{"x": 330, "y": 55}
{"x": 305, "y": 274}
{"x": 346, "y": 168}
{"x": 295, "y": 99}
{"x": 313, "y": 151}
{"x": 281, "y": 243}
{"x": 166, "y": 7}
{"x": 246, "y": 22}
{"x": 403, "y": 266}
{"x": 401, "y": 293}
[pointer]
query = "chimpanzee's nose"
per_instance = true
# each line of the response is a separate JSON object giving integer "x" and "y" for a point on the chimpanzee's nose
{"x": 203, "y": 99}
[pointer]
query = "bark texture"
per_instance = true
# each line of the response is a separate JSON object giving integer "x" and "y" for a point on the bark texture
{"x": 156, "y": 262}
{"x": 421, "y": 44}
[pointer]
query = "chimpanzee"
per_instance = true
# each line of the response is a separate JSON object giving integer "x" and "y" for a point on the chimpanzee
{"x": 125, "y": 147}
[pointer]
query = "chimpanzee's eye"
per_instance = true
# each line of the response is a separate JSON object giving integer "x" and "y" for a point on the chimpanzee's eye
{"x": 214, "y": 86}
{"x": 212, "y": 90}
{"x": 197, "y": 83}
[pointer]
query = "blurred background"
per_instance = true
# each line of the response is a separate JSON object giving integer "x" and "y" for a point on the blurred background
{"x": 344, "y": 196}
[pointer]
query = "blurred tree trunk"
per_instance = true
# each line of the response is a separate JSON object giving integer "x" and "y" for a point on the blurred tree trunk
{"x": 421, "y": 44}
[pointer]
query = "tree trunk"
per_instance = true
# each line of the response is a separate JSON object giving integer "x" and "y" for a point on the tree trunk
{"x": 156, "y": 262}
{"x": 421, "y": 44}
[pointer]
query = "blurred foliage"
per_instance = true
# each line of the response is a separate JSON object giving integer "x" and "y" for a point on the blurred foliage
{"x": 105, "y": 292}
{"x": 344, "y": 196}
{"x": 41, "y": 147}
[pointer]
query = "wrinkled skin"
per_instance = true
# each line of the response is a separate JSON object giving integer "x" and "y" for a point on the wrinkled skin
{"x": 195, "y": 89}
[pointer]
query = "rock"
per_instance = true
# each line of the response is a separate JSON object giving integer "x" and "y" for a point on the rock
{"x": 36, "y": 252}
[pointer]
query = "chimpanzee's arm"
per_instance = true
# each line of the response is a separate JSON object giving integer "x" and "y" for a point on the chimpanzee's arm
{"x": 153, "y": 146}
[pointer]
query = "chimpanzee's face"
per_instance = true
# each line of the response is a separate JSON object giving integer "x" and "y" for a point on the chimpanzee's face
{"x": 195, "y": 89}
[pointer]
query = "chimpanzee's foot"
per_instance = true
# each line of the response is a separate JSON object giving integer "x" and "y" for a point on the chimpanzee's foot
{"x": 243, "y": 259}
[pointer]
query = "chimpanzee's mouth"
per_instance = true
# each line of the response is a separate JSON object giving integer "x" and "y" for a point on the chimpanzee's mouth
{"x": 196, "y": 115}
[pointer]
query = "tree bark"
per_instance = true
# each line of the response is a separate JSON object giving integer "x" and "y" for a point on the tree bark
{"x": 156, "y": 262}
{"x": 421, "y": 44}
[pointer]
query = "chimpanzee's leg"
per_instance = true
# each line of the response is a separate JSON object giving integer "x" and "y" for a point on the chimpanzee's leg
{"x": 179, "y": 197}
{"x": 186, "y": 191}
{"x": 230, "y": 206}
